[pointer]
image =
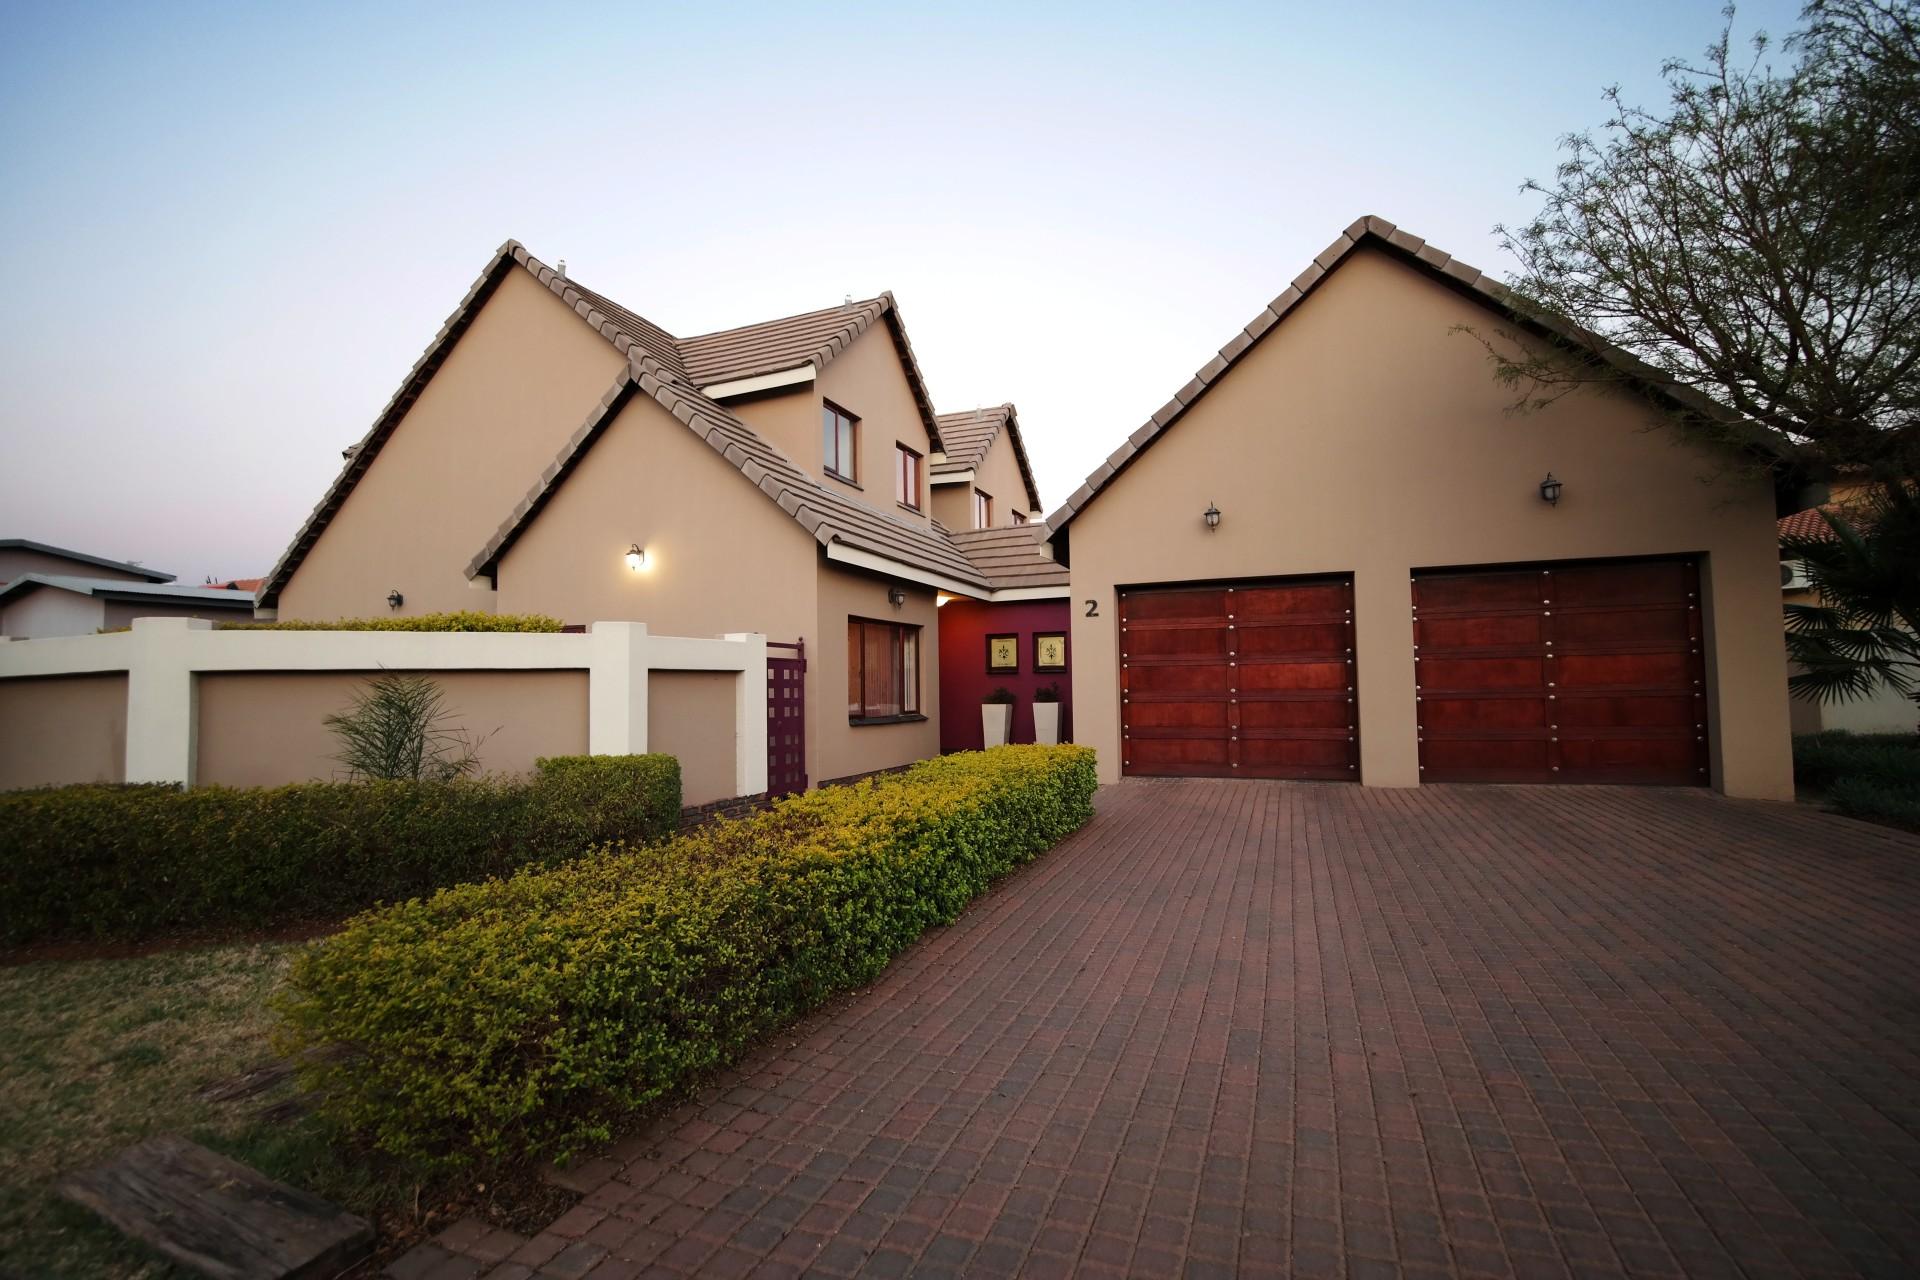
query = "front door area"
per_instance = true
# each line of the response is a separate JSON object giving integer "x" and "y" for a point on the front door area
{"x": 1585, "y": 672}
{"x": 1245, "y": 679}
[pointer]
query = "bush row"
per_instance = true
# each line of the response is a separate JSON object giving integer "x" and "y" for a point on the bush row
{"x": 128, "y": 861}
{"x": 1872, "y": 776}
{"x": 463, "y": 621}
{"x": 521, "y": 1016}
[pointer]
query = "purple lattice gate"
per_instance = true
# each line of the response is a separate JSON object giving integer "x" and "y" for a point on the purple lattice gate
{"x": 786, "y": 719}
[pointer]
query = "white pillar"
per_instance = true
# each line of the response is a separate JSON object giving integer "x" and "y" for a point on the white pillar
{"x": 617, "y": 689}
{"x": 163, "y": 715}
{"x": 750, "y": 716}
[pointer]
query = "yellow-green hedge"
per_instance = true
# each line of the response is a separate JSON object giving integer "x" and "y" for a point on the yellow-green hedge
{"x": 125, "y": 862}
{"x": 521, "y": 1016}
{"x": 463, "y": 621}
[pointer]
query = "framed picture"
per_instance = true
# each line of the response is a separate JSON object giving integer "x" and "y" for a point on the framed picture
{"x": 1003, "y": 655}
{"x": 1050, "y": 652}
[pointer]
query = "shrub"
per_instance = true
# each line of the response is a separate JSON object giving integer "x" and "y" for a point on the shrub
{"x": 463, "y": 621}
{"x": 521, "y": 1016}
{"x": 1874, "y": 801}
{"x": 398, "y": 729}
{"x": 129, "y": 861}
{"x": 1821, "y": 760}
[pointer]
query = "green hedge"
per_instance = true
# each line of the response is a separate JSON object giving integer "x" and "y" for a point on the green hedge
{"x": 521, "y": 1016}
{"x": 1873, "y": 776}
{"x": 130, "y": 861}
{"x": 465, "y": 621}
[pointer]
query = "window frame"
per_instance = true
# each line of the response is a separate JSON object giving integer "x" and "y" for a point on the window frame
{"x": 905, "y": 458}
{"x": 982, "y": 509}
{"x": 904, "y": 653}
{"x": 1019, "y": 518}
{"x": 831, "y": 412}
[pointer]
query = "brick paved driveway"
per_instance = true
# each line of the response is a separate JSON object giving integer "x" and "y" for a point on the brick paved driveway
{"x": 1254, "y": 1028}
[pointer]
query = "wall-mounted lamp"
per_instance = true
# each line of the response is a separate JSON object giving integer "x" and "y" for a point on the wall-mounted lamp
{"x": 395, "y": 599}
{"x": 1550, "y": 490}
{"x": 636, "y": 557}
{"x": 1212, "y": 517}
{"x": 897, "y": 597}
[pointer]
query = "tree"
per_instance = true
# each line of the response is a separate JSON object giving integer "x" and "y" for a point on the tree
{"x": 1865, "y": 631}
{"x": 1750, "y": 250}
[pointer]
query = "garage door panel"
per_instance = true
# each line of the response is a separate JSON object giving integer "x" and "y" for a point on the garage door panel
{"x": 1629, "y": 711}
{"x": 1623, "y": 670}
{"x": 1598, "y": 679}
{"x": 1439, "y": 714}
{"x": 1145, "y": 677}
{"x": 1251, "y": 604}
{"x": 1481, "y": 631}
{"x": 1176, "y": 642}
{"x": 1256, "y": 640}
{"x": 1441, "y": 673}
{"x": 1247, "y": 679}
{"x": 1317, "y": 714}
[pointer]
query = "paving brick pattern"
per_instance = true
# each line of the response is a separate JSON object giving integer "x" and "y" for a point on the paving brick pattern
{"x": 1265, "y": 1028}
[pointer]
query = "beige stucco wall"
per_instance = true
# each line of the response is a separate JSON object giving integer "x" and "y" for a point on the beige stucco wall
{"x": 49, "y": 611}
{"x": 999, "y": 475}
{"x": 953, "y": 506}
{"x": 518, "y": 383}
{"x": 690, "y": 716}
{"x": 868, "y": 380}
{"x": 63, "y": 729}
{"x": 1363, "y": 436}
{"x": 841, "y": 749}
{"x": 268, "y": 728}
{"x": 18, "y": 561}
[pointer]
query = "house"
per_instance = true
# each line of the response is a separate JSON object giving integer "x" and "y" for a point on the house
{"x": 1885, "y": 710}
{"x": 50, "y": 591}
{"x": 1336, "y": 554}
{"x": 554, "y": 452}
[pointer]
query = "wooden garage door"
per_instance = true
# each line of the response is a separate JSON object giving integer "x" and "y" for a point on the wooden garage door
{"x": 1561, "y": 673}
{"x": 1239, "y": 680}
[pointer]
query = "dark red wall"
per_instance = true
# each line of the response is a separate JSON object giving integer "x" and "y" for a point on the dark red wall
{"x": 964, "y": 628}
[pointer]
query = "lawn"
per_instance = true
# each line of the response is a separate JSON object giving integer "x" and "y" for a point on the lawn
{"x": 101, "y": 1053}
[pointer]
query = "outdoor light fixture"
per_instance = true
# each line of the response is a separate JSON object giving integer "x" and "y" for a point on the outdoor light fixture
{"x": 1212, "y": 517}
{"x": 1550, "y": 490}
{"x": 897, "y": 597}
{"x": 395, "y": 599}
{"x": 636, "y": 557}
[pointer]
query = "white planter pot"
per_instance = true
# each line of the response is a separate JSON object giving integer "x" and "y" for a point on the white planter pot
{"x": 996, "y": 718}
{"x": 1046, "y": 723}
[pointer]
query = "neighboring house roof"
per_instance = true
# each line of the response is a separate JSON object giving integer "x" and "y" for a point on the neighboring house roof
{"x": 671, "y": 370}
{"x": 248, "y": 585}
{"x": 118, "y": 589}
{"x": 1012, "y": 558}
{"x": 81, "y": 557}
{"x": 1377, "y": 233}
{"x": 968, "y": 435}
{"x": 1809, "y": 523}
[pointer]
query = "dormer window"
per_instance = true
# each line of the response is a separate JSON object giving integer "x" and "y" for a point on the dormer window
{"x": 840, "y": 434}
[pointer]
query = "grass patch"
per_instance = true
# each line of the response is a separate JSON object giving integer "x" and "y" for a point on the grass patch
{"x": 1871, "y": 776}
{"x": 99, "y": 1054}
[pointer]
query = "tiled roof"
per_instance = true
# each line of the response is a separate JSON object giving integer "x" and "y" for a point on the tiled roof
{"x": 967, "y": 435}
{"x": 238, "y": 584}
{"x": 1380, "y": 234}
{"x": 1011, "y": 557}
{"x": 671, "y": 370}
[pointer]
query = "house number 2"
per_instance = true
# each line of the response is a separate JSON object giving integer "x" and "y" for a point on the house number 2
{"x": 1093, "y": 609}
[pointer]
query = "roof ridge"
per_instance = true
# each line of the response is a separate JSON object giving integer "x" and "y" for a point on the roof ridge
{"x": 798, "y": 315}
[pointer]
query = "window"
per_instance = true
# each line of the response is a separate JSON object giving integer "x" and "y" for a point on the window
{"x": 883, "y": 671}
{"x": 839, "y": 436}
{"x": 982, "y": 510}
{"x": 906, "y": 477}
{"x": 1019, "y": 517}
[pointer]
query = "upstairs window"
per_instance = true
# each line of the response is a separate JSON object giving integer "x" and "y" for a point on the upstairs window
{"x": 839, "y": 437}
{"x": 982, "y": 510}
{"x": 1019, "y": 517}
{"x": 906, "y": 477}
{"x": 883, "y": 671}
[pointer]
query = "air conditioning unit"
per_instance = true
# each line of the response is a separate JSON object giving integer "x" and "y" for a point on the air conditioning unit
{"x": 1793, "y": 576}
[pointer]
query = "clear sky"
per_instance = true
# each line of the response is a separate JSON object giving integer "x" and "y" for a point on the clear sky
{"x": 229, "y": 231}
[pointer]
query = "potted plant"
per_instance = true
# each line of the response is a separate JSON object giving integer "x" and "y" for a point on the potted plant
{"x": 1046, "y": 714}
{"x": 996, "y": 717}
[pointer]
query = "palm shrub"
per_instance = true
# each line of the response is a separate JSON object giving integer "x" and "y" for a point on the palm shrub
{"x": 1865, "y": 630}
{"x": 399, "y": 730}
